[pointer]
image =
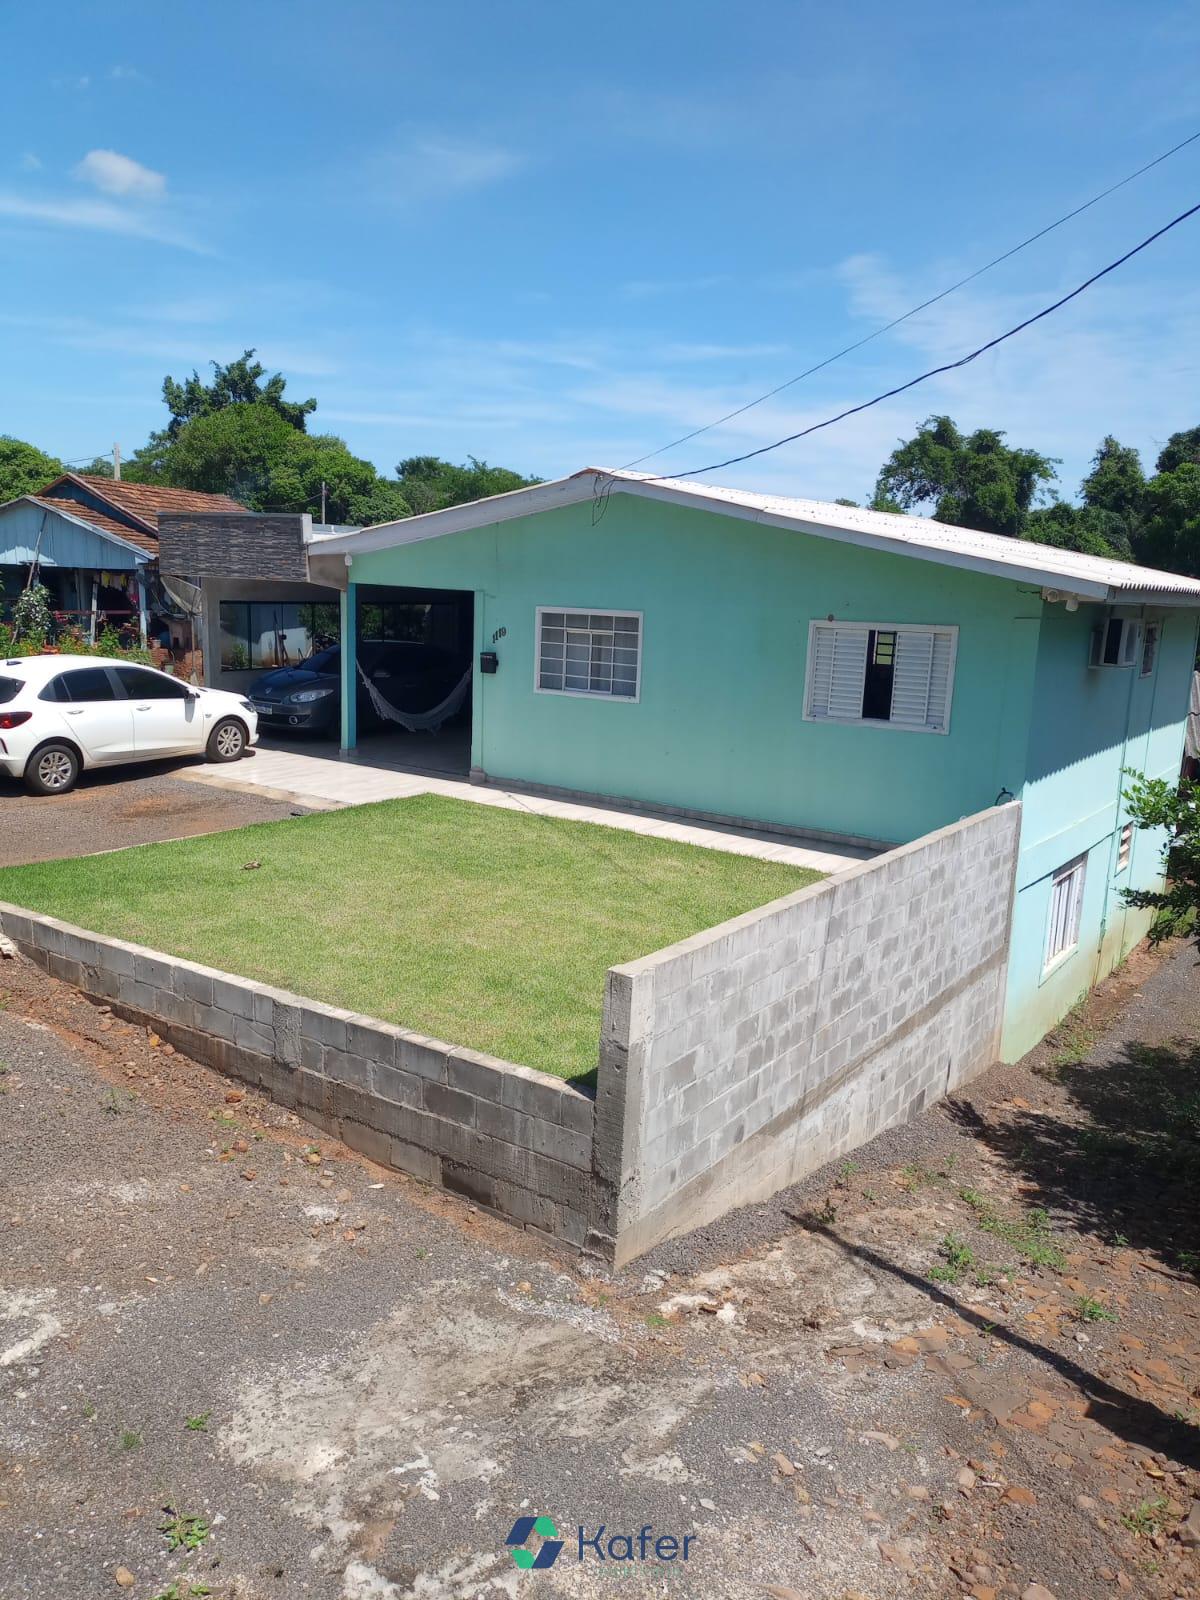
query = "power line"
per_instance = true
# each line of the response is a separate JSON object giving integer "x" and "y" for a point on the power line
{"x": 924, "y": 306}
{"x": 949, "y": 366}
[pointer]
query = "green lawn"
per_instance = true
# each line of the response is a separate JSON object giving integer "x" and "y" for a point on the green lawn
{"x": 484, "y": 927}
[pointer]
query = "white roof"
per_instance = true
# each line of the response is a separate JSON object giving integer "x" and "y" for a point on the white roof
{"x": 1089, "y": 577}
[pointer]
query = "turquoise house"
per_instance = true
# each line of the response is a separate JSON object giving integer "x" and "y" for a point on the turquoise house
{"x": 816, "y": 668}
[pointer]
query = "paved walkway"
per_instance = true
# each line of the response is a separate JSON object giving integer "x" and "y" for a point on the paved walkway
{"x": 323, "y": 781}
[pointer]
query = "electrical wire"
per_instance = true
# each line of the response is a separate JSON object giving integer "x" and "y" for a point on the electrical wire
{"x": 924, "y": 306}
{"x": 948, "y": 366}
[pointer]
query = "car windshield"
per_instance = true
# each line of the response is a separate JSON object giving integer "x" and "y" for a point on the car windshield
{"x": 323, "y": 660}
{"x": 10, "y": 688}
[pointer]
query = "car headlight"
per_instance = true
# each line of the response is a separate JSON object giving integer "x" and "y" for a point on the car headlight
{"x": 246, "y": 705}
{"x": 303, "y": 695}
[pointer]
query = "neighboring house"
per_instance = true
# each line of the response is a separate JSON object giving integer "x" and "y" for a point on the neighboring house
{"x": 817, "y": 668}
{"x": 95, "y": 544}
{"x": 246, "y": 574}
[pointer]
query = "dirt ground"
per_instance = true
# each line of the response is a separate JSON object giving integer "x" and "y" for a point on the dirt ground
{"x": 238, "y": 1360}
{"x": 119, "y": 806}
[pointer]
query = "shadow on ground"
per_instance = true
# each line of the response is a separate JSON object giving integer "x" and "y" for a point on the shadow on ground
{"x": 1123, "y": 1160}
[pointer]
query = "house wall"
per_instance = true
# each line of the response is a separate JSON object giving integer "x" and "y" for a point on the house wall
{"x": 736, "y": 1062}
{"x": 719, "y": 725}
{"x": 1087, "y": 727}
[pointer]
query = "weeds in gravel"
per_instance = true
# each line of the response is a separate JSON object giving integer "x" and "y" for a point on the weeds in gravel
{"x": 655, "y": 1319}
{"x": 129, "y": 1439}
{"x": 959, "y": 1259}
{"x": 183, "y": 1532}
{"x": 1146, "y": 1519}
{"x": 1028, "y": 1234}
{"x": 174, "y": 1592}
{"x": 198, "y": 1423}
{"x": 1089, "y": 1309}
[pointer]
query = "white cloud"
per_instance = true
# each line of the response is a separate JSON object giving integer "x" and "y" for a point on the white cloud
{"x": 97, "y": 216}
{"x": 429, "y": 165}
{"x": 113, "y": 173}
{"x": 31, "y": 162}
{"x": 122, "y": 73}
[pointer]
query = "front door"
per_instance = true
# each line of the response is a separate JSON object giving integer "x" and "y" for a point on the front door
{"x": 166, "y": 717}
{"x": 95, "y": 711}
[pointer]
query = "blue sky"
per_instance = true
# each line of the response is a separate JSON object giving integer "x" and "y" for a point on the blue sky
{"x": 553, "y": 235}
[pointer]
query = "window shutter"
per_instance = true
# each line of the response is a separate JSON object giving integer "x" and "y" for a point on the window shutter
{"x": 839, "y": 672}
{"x": 921, "y": 684}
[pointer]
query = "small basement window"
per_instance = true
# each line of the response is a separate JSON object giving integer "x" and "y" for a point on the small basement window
{"x": 1150, "y": 648}
{"x": 884, "y": 674}
{"x": 1066, "y": 906}
{"x": 589, "y": 652}
{"x": 1125, "y": 847}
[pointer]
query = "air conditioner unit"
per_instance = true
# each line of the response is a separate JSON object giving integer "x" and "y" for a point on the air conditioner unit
{"x": 1116, "y": 642}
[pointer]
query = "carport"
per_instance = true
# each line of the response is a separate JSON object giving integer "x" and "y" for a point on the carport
{"x": 406, "y": 736}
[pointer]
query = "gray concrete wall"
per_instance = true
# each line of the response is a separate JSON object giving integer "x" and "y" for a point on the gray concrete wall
{"x": 738, "y": 1061}
{"x": 516, "y": 1141}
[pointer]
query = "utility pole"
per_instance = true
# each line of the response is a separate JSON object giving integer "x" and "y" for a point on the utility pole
{"x": 322, "y": 499}
{"x": 116, "y": 463}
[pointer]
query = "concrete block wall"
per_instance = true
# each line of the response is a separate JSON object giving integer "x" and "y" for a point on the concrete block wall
{"x": 737, "y": 1061}
{"x": 516, "y": 1141}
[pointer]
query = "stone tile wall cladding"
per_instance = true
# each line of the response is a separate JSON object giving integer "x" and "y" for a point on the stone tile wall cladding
{"x": 740, "y": 1060}
{"x": 731, "y": 1064}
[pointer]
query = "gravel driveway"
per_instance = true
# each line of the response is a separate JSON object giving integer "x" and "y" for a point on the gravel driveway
{"x": 120, "y": 806}
{"x": 237, "y": 1360}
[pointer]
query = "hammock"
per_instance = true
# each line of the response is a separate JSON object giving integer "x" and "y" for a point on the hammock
{"x": 419, "y": 721}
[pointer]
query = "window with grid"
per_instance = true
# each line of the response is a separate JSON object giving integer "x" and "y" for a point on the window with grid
{"x": 589, "y": 652}
{"x": 858, "y": 672}
{"x": 1066, "y": 905}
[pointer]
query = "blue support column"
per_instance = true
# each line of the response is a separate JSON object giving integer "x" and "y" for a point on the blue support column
{"x": 349, "y": 654}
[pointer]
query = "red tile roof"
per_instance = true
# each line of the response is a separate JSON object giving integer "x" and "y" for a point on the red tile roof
{"x": 97, "y": 519}
{"x": 142, "y": 501}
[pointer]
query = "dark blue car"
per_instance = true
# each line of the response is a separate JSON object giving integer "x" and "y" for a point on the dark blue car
{"x": 306, "y": 698}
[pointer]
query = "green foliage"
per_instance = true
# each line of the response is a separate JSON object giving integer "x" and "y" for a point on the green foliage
{"x": 1116, "y": 482}
{"x": 1171, "y": 538}
{"x": 1179, "y": 450}
{"x": 1084, "y": 528}
{"x": 239, "y": 383}
{"x": 973, "y": 481}
{"x": 253, "y": 453}
{"x": 24, "y": 469}
{"x": 32, "y": 620}
{"x": 1175, "y": 809}
{"x": 428, "y": 483}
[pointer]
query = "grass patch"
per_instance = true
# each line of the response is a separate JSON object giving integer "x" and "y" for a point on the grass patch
{"x": 485, "y": 927}
{"x": 1028, "y": 1232}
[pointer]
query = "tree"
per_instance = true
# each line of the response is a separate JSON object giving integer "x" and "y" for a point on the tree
{"x": 233, "y": 385}
{"x": 1179, "y": 449}
{"x": 1116, "y": 482}
{"x": 1155, "y": 803}
{"x": 974, "y": 481}
{"x": 1084, "y": 528}
{"x": 251, "y": 452}
{"x": 97, "y": 467}
{"x": 24, "y": 469}
{"x": 428, "y": 483}
{"x": 1171, "y": 536}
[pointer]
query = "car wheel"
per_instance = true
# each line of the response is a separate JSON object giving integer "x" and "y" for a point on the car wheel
{"x": 227, "y": 741}
{"x": 52, "y": 770}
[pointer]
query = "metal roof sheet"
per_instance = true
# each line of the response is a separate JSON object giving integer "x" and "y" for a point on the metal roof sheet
{"x": 1022, "y": 560}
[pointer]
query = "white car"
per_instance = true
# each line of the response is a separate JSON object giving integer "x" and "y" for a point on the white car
{"x": 60, "y": 714}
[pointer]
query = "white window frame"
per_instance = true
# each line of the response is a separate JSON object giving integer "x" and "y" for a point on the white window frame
{"x": 1152, "y": 642}
{"x": 879, "y": 627}
{"x": 1075, "y": 871}
{"x": 588, "y": 694}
